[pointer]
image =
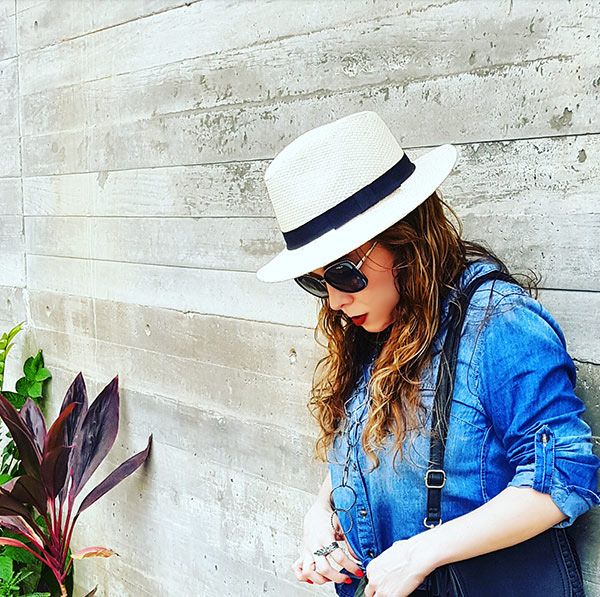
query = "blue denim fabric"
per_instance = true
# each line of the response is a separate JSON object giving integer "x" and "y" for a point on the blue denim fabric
{"x": 515, "y": 420}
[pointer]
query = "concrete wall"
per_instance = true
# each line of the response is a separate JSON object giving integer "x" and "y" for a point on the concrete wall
{"x": 133, "y": 216}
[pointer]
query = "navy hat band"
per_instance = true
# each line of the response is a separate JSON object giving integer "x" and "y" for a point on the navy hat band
{"x": 349, "y": 208}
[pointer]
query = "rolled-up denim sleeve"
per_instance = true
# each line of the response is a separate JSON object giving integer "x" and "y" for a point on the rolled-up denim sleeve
{"x": 526, "y": 382}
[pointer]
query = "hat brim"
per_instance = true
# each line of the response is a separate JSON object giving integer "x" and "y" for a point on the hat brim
{"x": 431, "y": 169}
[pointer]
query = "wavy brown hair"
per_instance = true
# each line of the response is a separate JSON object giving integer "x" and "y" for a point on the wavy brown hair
{"x": 429, "y": 255}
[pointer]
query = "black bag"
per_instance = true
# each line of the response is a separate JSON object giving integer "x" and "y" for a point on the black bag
{"x": 546, "y": 565}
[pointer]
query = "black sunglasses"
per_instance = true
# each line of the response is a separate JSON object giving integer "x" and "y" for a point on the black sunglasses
{"x": 343, "y": 275}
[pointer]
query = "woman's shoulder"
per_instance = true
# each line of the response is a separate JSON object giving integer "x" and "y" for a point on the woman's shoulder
{"x": 506, "y": 307}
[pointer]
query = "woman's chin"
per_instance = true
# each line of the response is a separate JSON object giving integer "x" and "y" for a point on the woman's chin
{"x": 375, "y": 327}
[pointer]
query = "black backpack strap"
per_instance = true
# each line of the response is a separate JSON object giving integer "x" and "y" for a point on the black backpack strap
{"x": 435, "y": 477}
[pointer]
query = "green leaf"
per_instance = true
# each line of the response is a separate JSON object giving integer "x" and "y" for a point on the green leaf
{"x": 36, "y": 595}
{"x": 4, "y": 478}
{"x": 30, "y": 584}
{"x": 6, "y": 568}
{"x": 35, "y": 390}
{"x": 29, "y": 369}
{"x": 42, "y": 374}
{"x": 38, "y": 360}
{"x": 20, "y": 555}
{"x": 15, "y": 330}
{"x": 22, "y": 386}
{"x": 17, "y": 400}
{"x": 1, "y": 366}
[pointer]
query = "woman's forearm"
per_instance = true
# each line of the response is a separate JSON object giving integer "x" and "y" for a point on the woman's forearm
{"x": 325, "y": 492}
{"x": 514, "y": 515}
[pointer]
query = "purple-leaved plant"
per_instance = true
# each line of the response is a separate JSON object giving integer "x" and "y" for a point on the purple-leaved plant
{"x": 58, "y": 462}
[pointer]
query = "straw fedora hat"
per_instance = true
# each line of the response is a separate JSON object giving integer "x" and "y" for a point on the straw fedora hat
{"x": 336, "y": 186}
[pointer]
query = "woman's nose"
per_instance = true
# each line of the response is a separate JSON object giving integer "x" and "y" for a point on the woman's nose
{"x": 337, "y": 298}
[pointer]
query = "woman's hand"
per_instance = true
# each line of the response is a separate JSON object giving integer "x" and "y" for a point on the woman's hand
{"x": 318, "y": 532}
{"x": 400, "y": 569}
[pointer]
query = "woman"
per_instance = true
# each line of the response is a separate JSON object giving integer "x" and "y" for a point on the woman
{"x": 366, "y": 232}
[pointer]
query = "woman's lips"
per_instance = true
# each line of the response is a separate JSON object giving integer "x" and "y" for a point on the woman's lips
{"x": 359, "y": 320}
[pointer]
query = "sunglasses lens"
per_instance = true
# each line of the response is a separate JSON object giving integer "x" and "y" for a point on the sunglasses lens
{"x": 312, "y": 285}
{"x": 346, "y": 277}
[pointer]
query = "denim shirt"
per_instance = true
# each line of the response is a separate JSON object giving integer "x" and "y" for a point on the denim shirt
{"x": 514, "y": 420}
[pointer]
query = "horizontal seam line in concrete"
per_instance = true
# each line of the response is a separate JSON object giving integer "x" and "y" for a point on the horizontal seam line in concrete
{"x": 144, "y": 217}
{"x": 157, "y": 167}
{"x": 271, "y": 102}
{"x": 580, "y": 290}
{"x": 213, "y": 413}
{"x": 189, "y": 3}
{"x": 146, "y": 264}
{"x": 258, "y": 160}
{"x": 211, "y": 269}
{"x": 304, "y": 95}
{"x": 274, "y": 40}
{"x": 185, "y": 312}
{"x": 158, "y": 352}
{"x": 113, "y": 26}
{"x": 320, "y": 93}
{"x": 585, "y": 362}
{"x": 6, "y": 58}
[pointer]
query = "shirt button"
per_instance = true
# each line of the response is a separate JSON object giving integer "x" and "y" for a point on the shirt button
{"x": 362, "y": 512}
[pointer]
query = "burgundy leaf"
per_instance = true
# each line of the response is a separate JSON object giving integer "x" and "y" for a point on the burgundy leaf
{"x": 17, "y": 525}
{"x": 95, "y": 437}
{"x": 54, "y": 470}
{"x": 56, "y": 434}
{"x": 55, "y": 459}
{"x": 77, "y": 393}
{"x": 22, "y": 436}
{"x": 29, "y": 490}
{"x": 32, "y": 416}
{"x": 92, "y": 593}
{"x": 120, "y": 473}
{"x": 10, "y": 506}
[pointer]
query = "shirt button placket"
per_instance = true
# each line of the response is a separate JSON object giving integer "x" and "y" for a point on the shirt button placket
{"x": 364, "y": 525}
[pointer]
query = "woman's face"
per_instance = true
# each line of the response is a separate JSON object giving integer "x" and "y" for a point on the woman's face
{"x": 380, "y": 296}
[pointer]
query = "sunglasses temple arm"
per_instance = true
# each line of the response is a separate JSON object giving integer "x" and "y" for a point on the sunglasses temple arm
{"x": 359, "y": 264}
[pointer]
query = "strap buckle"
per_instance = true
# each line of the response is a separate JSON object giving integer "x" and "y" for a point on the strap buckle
{"x": 431, "y": 525}
{"x": 441, "y": 481}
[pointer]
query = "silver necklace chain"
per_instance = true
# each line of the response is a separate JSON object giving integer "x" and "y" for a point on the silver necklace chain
{"x": 351, "y": 434}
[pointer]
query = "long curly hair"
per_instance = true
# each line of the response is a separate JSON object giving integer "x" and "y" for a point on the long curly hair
{"x": 429, "y": 254}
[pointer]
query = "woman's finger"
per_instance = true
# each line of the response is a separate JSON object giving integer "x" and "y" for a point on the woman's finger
{"x": 324, "y": 568}
{"x": 341, "y": 558}
{"x": 297, "y": 569}
{"x": 309, "y": 571}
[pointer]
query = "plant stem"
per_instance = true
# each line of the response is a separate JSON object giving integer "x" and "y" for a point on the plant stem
{"x": 68, "y": 531}
{"x": 63, "y": 591}
{"x": 42, "y": 557}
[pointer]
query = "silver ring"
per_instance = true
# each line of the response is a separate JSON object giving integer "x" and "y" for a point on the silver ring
{"x": 323, "y": 551}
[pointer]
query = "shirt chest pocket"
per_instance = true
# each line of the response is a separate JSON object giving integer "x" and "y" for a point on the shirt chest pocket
{"x": 467, "y": 415}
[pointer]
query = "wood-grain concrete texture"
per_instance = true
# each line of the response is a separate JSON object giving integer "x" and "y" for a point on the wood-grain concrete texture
{"x": 133, "y": 216}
